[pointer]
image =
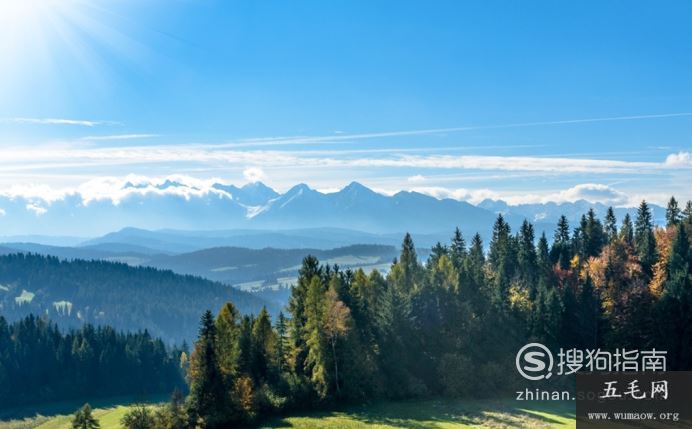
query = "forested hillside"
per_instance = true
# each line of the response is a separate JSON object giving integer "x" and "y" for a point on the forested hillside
{"x": 38, "y": 363}
{"x": 104, "y": 293}
{"x": 453, "y": 325}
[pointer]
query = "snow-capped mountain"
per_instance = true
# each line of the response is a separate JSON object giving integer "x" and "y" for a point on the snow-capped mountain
{"x": 197, "y": 205}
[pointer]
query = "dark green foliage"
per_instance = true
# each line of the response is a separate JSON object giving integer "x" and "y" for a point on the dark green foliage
{"x": 445, "y": 327}
{"x": 610, "y": 228}
{"x": 41, "y": 364}
{"x": 561, "y": 252}
{"x": 673, "y": 214}
{"x": 84, "y": 419}
{"x": 627, "y": 230}
{"x": 644, "y": 238}
{"x": 208, "y": 402}
{"x": 138, "y": 417}
{"x": 127, "y": 298}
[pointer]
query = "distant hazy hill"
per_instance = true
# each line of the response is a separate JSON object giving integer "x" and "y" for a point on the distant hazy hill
{"x": 169, "y": 305}
{"x": 269, "y": 266}
{"x": 177, "y": 241}
{"x": 173, "y": 206}
{"x": 248, "y": 269}
{"x": 551, "y": 212}
{"x": 180, "y": 206}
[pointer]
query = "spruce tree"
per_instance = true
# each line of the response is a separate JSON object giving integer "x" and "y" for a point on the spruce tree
{"x": 610, "y": 226}
{"x": 263, "y": 348}
{"x": 673, "y": 214}
{"x": 408, "y": 261}
{"x": 84, "y": 419}
{"x": 527, "y": 258}
{"x": 207, "y": 393}
{"x": 561, "y": 251}
{"x": 228, "y": 334}
{"x": 627, "y": 230}
{"x": 458, "y": 249}
{"x": 282, "y": 344}
{"x": 644, "y": 238}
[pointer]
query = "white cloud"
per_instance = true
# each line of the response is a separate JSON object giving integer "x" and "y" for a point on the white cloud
{"x": 57, "y": 121}
{"x": 46, "y": 157}
{"x": 680, "y": 159}
{"x": 592, "y": 192}
{"x": 120, "y": 137}
{"x": 253, "y": 174}
{"x": 36, "y": 209}
{"x": 343, "y": 137}
{"x": 473, "y": 196}
{"x": 117, "y": 189}
{"x": 417, "y": 178}
{"x": 2, "y": 212}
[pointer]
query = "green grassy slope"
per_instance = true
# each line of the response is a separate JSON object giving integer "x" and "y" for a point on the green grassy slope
{"x": 437, "y": 414}
{"x": 431, "y": 414}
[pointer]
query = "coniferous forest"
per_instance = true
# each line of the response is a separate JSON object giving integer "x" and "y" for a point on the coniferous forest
{"x": 452, "y": 325}
{"x": 448, "y": 326}
{"x": 38, "y": 363}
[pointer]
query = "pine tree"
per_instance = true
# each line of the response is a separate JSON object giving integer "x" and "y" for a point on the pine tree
{"x": 644, "y": 239}
{"x": 408, "y": 261}
{"x": 543, "y": 258}
{"x": 207, "y": 404}
{"x": 561, "y": 253}
{"x": 84, "y": 419}
{"x": 527, "y": 258}
{"x": 316, "y": 361}
{"x": 627, "y": 230}
{"x": 228, "y": 334}
{"x": 282, "y": 344}
{"x": 263, "y": 348}
{"x": 610, "y": 227}
{"x": 296, "y": 306}
{"x": 687, "y": 213}
{"x": 673, "y": 214}
{"x": 458, "y": 249}
{"x": 594, "y": 235}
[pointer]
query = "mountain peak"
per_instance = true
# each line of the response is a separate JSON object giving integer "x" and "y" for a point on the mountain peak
{"x": 356, "y": 187}
{"x": 257, "y": 186}
{"x": 301, "y": 187}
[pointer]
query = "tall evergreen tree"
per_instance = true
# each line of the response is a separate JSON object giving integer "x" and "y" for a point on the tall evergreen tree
{"x": 673, "y": 213}
{"x": 408, "y": 261}
{"x": 263, "y": 348}
{"x": 228, "y": 335}
{"x": 527, "y": 258}
{"x": 627, "y": 230}
{"x": 282, "y": 344}
{"x": 84, "y": 419}
{"x": 458, "y": 249}
{"x": 610, "y": 226}
{"x": 208, "y": 406}
{"x": 644, "y": 239}
{"x": 561, "y": 253}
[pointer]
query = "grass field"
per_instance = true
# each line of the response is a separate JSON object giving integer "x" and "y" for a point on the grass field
{"x": 431, "y": 414}
{"x": 437, "y": 414}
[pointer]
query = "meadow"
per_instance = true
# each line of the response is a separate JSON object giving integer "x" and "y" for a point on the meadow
{"x": 428, "y": 414}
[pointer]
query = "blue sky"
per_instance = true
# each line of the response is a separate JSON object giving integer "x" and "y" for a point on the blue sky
{"x": 526, "y": 101}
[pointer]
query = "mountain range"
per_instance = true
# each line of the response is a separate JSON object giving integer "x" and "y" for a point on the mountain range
{"x": 183, "y": 206}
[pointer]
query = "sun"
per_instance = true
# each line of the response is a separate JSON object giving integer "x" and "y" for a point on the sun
{"x": 49, "y": 46}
